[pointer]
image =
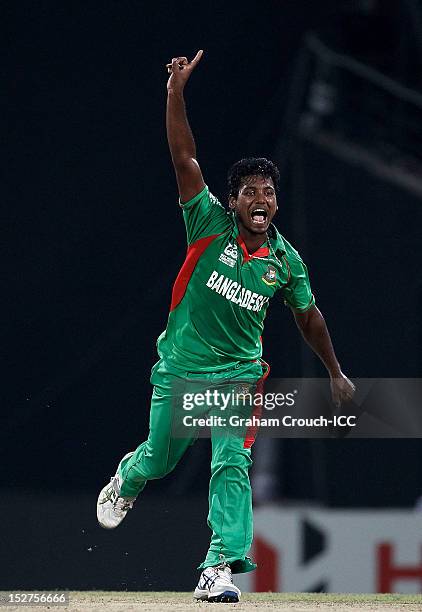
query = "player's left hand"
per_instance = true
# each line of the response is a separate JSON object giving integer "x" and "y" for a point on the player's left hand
{"x": 342, "y": 389}
{"x": 180, "y": 70}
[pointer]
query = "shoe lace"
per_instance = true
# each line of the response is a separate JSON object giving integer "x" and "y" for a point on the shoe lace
{"x": 122, "y": 505}
{"x": 225, "y": 568}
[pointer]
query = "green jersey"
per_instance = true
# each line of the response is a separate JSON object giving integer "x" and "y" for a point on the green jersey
{"x": 221, "y": 294}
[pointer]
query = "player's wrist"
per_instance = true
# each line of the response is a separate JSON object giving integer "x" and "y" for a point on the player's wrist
{"x": 335, "y": 372}
{"x": 175, "y": 90}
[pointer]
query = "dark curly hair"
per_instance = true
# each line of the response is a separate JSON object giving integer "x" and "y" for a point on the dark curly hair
{"x": 251, "y": 166}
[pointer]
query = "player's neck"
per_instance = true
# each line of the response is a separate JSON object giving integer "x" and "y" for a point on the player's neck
{"x": 252, "y": 241}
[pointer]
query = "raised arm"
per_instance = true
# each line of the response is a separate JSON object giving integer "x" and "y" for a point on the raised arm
{"x": 179, "y": 135}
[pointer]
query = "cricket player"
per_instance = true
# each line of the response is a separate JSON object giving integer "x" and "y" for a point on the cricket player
{"x": 236, "y": 262}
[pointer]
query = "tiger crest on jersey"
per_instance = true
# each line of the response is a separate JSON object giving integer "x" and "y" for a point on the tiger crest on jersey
{"x": 270, "y": 276}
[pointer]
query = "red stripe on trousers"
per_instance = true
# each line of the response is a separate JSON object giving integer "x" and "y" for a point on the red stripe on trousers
{"x": 257, "y": 411}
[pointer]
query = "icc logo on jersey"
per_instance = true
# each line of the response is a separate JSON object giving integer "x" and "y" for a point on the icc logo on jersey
{"x": 231, "y": 250}
{"x": 229, "y": 257}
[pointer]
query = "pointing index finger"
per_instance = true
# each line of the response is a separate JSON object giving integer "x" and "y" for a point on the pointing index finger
{"x": 197, "y": 57}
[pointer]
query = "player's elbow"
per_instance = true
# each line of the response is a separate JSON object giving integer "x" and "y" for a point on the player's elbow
{"x": 307, "y": 321}
{"x": 185, "y": 162}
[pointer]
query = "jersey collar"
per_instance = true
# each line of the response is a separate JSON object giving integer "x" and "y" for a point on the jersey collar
{"x": 263, "y": 251}
{"x": 275, "y": 237}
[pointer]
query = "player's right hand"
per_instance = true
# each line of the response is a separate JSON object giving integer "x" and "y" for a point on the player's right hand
{"x": 180, "y": 70}
{"x": 342, "y": 389}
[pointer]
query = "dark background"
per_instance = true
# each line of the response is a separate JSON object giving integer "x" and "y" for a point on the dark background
{"x": 93, "y": 237}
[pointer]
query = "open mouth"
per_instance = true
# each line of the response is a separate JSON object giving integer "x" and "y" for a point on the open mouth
{"x": 259, "y": 216}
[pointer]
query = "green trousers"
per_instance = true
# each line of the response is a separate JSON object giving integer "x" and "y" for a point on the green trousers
{"x": 230, "y": 495}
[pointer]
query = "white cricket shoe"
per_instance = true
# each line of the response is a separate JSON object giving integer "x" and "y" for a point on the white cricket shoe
{"x": 111, "y": 508}
{"x": 216, "y": 585}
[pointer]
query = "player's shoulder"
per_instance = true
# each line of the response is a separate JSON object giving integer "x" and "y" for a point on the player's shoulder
{"x": 285, "y": 248}
{"x": 204, "y": 197}
{"x": 214, "y": 201}
{"x": 204, "y": 216}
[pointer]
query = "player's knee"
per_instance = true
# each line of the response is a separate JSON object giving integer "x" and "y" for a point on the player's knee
{"x": 157, "y": 471}
{"x": 240, "y": 460}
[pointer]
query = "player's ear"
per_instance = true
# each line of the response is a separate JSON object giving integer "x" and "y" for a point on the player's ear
{"x": 232, "y": 202}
